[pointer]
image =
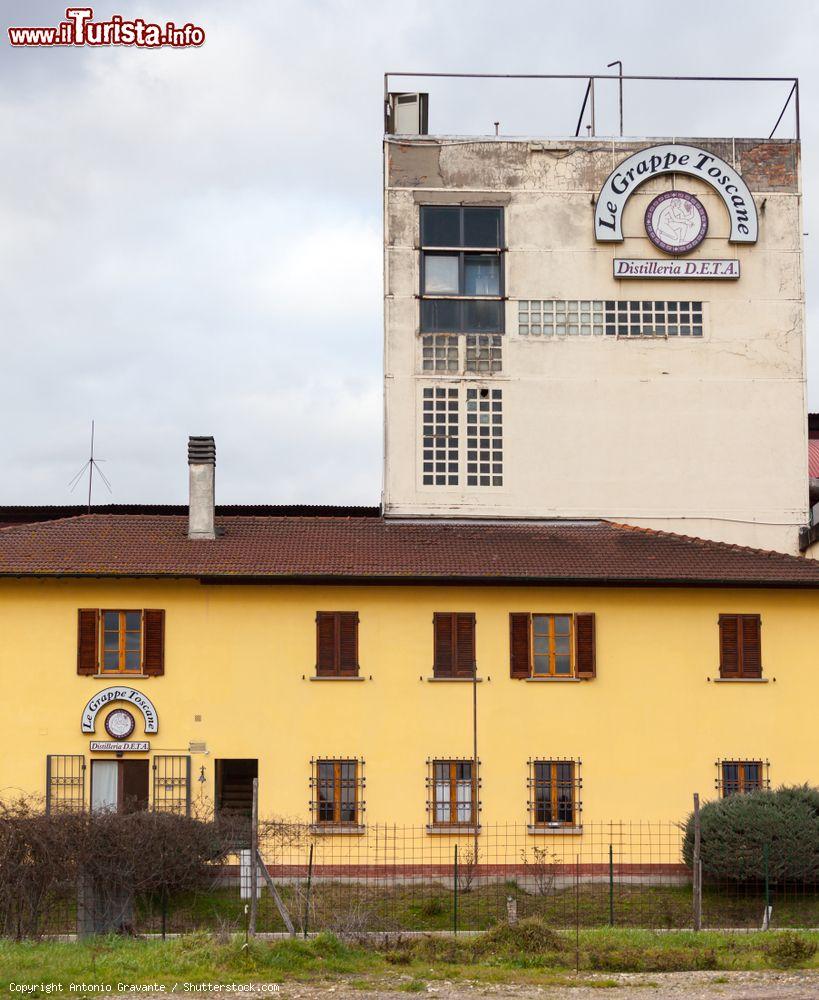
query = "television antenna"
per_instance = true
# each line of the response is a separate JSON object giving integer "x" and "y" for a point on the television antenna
{"x": 90, "y": 465}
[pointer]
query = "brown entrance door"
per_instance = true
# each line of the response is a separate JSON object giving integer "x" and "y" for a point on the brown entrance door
{"x": 133, "y": 778}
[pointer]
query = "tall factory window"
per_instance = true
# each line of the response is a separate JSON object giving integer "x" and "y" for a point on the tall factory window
{"x": 484, "y": 437}
{"x": 461, "y": 269}
{"x": 440, "y": 436}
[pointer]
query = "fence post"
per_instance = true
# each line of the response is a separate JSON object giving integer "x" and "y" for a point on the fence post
{"x": 254, "y": 860}
{"x": 611, "y": 885}
{"x": 309, "y": 884}
{"x": 455, "y": 893}
{"x": 697, "y": 866}
{"x": 766, "y": 922}
{"x": 511, "y": 910}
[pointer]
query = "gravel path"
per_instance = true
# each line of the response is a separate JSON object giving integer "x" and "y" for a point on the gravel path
{"x": 629, "y": 986}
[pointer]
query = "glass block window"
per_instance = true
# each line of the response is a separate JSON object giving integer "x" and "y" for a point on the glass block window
{"x": 615, "y": 318}
{"x": 440, "y": 436}
{"x": 439, "y": 353}
{"x": 560, "y": 317}
{"x": 484, "y": 437}
{"x": 484, "y": 353}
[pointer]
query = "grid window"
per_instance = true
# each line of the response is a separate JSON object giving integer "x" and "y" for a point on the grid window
{"x": 440, "y": 436}
{"x": 484, "y": 437}
{"x": 552, "y": 645}
{"x": 484, "y": 353}
{"x": 337, "y": 787}
{"x": 439, "y": 353}
{"x": 65, "y": 783}
{"x": 461, "y": 269}
{"x": 554, "y": 787}
{"x": 736, "y": 777}
{"x": 121, "y": 641}
{"x": 454, "y": 793}
{"x": 593, "y": 317}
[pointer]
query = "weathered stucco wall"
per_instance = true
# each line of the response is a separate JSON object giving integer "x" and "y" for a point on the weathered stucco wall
{"x": 699, "y": 435}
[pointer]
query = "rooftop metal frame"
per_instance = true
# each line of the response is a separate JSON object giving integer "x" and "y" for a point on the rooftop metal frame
{"x": 592, "y": 78}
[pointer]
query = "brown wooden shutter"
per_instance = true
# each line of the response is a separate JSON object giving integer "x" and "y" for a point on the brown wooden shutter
{"x": 326, "y": 662}
{"x": 520, "y": 653}
{"x": 88, "y": 641}
{"x": 348, "y": 643}
{"x": 153, "y": 643}
{"x": 442, "y": 631}
{"x": 464, "y": 645}
{"x": 585, "y": 645}
{"x": 729, "y": 646}
{"x": 750, "y": 634}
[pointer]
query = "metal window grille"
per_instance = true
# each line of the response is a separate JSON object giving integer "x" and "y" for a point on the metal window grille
{"x": 453, "y": 792}
{"x": 337, "y": 792}
{"x": 554, "y": 792}
{"x": 484, "y": 353}
{"x": 172, "y": 784}
{"x": 614, "y": 318}
{"x": 439, "y": 353}
{"x": 65, "y": 783}
{"x": 484, "y": 437}
{"x": 739, "y": 776}
{"x": 440, "y": 436}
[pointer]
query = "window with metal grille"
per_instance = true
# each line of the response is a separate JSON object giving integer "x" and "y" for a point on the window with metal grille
{"x": 735, "y": 777}
{"x": 65, "y": 783}
{"x": 484, "y": 437}
{"x": 337, "y": 786}
{"x": 452, "y": 792}
{"x": 461, "y": 269}
{"x": 611, "y": 317}
{"x": 440, "y": 436}
{"x": 172, "y": 784}
{"x": 554, "y": 793}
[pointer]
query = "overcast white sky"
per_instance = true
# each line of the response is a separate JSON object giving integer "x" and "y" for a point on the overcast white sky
{"x": 190, "y": 239}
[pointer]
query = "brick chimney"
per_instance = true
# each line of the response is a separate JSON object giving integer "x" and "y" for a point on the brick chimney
{"x": 202, "y": 479}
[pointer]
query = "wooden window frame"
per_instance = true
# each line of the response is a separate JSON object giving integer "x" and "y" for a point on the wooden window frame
{"x": 455, "y": 671}
{"x": 339, "y": 784}
{"x": 121, "y": 669}
{"x": 742, "y": 788}
{"x": 555, "y": 784}
{"x": 552, "y": 654}
{"x": 453, "y": 782}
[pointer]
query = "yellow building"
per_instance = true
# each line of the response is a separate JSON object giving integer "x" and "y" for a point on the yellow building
{"x": 618, "y": 669}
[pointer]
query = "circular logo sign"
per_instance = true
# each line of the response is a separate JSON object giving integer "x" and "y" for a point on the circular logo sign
{"x": 676, "y": 222}
{"x": 119, "y": 724}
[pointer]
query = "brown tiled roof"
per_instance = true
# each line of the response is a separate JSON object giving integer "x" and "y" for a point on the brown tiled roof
{"x": 367, "y": 548}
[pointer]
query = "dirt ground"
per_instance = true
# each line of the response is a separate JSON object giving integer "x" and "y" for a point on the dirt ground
{"x": 623, "y": 986}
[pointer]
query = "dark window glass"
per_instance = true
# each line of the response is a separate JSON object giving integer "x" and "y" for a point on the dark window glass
{"x": 482, "y": 227}
{"x": 482, "y": 317}
{"x": 440, "y": 226}
{"x": 441, "y": 315}
{"x": 481, "y": 274}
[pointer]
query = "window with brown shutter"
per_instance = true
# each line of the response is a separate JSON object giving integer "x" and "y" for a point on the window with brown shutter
{"x": 454, "y": 644}
{"x": 121, "y": 642}
{"x": 551, "y": 645}
{"x": 740, "y": 646}
{"x": 337, "y": 644}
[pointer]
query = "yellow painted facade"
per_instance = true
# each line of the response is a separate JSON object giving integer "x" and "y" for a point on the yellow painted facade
{"x": 648, "y": 729}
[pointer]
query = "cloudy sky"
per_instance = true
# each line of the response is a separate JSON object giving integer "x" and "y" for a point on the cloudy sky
{"x": 190, "y": 239}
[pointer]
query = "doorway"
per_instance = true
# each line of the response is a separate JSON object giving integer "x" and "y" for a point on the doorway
{"x": 119, "y": 785}
{"x": 234, "y": 785}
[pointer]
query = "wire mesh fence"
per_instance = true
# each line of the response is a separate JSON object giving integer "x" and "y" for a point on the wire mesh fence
{"x": 389, "y": 878}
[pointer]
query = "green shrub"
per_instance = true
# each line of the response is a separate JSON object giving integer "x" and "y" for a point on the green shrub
{"x": 788, "y": 949}
{"x": 433, "y": 907}
{"x": 736, "y": 830}
{"x": 528, "y": 937}
{"x": 634, "y": 959}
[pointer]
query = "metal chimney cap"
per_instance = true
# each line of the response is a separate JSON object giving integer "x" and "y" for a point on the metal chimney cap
{"x": 201, "y": 451}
